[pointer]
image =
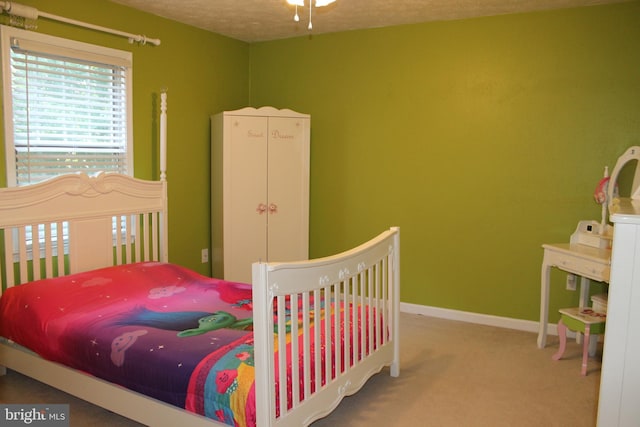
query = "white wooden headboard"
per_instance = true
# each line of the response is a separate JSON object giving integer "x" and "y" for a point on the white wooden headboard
{"x": 94, "y": 221}
{"x": 101, "y": 220}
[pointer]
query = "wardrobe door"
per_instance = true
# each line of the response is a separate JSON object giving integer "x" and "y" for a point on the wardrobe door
{"x": 288, "y": 189}
{"x": 245, "y": 191}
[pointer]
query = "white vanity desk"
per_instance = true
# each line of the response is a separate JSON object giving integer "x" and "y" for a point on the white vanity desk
{"x": 587, "y": 262}
{"x": 619, "y": 403}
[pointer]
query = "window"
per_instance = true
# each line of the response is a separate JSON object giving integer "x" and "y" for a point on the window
{"x": 67, "y": 107}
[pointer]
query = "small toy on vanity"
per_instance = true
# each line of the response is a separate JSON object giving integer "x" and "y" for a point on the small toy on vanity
{"x": 593, "y": 233}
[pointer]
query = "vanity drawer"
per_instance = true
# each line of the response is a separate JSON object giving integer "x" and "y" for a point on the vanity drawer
{"x": 581, "y": 266}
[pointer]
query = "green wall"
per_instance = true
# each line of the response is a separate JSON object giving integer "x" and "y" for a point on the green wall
{"x": 203, "y": 72}
{"x": 482, "y": 139}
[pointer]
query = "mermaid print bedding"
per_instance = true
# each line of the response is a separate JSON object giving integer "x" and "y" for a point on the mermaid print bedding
{"x": 155, "y": 328}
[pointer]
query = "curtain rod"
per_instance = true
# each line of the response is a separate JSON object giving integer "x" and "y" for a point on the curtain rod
{"x": 29, "y": 12}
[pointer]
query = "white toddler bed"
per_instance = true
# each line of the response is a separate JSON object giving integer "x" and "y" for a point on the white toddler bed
{"x": 111, "y": 219}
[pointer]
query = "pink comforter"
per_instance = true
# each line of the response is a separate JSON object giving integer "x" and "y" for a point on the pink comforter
{"x": 156, "y": 328}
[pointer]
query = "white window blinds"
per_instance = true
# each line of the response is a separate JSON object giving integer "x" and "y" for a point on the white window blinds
{"x": 70, "y": 107}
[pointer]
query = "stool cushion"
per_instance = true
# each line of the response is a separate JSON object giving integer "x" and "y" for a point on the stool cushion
{"x": 576, "y": 318}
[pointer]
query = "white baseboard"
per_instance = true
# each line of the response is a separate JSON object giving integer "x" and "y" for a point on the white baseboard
{"x": 480, "y": 319}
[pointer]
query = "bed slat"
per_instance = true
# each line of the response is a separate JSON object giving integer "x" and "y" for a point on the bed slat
{"x": 22, "y": 255}
{"x": 128, "y": 249}
{"x": 35, "y": 248}
{"x": 316, "y": 357}
{"x": 328, "y": 291}
{"x": 282, "y": 354}
{"x": 7, "y": 265}
{"x": 60, "y": 244}
{"x": 145, "y": 237}
{"x": 295, "y": 351}
{"x": 306, "y": 346}
{"x": 154, "y": 235}
{"x": 48, "y": 250}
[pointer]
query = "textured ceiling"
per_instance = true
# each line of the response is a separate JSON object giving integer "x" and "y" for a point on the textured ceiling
{"x": 261, "y": 20}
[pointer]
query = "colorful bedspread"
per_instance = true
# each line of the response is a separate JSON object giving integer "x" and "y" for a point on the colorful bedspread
{"x": 147, "y": 327}
{"x": 156, "y": 328}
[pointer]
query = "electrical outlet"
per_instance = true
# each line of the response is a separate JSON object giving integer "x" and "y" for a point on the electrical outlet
{"x": 204, "y": 255}
{"x": 571, "y": 282}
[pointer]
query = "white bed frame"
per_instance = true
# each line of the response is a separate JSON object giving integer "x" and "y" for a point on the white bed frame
{"x": 114, "y": 219}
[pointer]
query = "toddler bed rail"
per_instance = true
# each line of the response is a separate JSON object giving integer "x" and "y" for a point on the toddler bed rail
{"x": 359, "y": 293}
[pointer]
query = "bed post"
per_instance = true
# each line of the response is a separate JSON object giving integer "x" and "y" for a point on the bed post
{"x": 163, "y": 135}
{"x": 395, "y": 364}
{"x": 263, "y": 346}
{"x": 164, "y": 240}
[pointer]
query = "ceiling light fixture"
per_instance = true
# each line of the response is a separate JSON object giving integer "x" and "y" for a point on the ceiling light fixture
{"x": 318, "y": 3}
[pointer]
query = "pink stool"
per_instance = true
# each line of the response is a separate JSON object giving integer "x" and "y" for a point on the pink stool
{"x": 580, "y": 320}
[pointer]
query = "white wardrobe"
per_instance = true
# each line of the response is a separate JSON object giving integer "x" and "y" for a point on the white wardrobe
{"x": 260, "y": 189}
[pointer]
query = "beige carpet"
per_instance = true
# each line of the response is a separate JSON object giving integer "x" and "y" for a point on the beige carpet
{"x": 452, "y": 374}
